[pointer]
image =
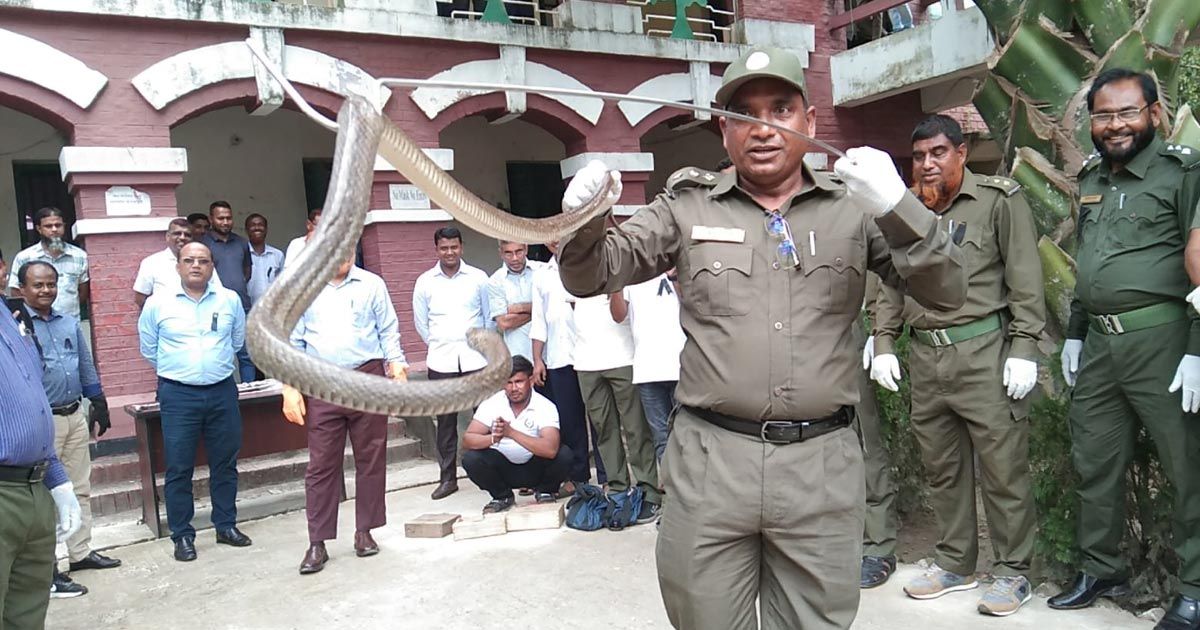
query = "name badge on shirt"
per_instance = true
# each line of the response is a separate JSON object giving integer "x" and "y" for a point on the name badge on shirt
{"x": 719, "y": 234}
{"x": 1086, "y": 199}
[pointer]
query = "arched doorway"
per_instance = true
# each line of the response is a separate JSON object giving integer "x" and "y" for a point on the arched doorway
{"x": 30, "y": 177}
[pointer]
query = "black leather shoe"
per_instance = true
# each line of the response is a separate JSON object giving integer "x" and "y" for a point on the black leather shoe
{"x": 1183, "y": 615}
{"x": 444, "y": 489}
{"x": 95, "y": 561}
{"x": 876, "y": 571}
{"x": 1085, "y": 590}
{"x": 185, "y": 549}
{"x": 234, "y": 537}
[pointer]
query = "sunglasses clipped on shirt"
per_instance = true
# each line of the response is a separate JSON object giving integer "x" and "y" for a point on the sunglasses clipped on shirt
{"x": 786, "y": 251}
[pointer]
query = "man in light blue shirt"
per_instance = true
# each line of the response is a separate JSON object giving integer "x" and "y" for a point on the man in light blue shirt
{"x": 191, "y": 337}
{"x": 449, "y": 300}
{"x": 510, "y": 297}
{"x": 353, "y": 325}
{"x": 69, "y": 375}
{"x": 267, "y": 261}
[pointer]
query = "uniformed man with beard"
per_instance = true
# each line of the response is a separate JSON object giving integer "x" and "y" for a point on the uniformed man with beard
{"x": 1131, "y": 338}
{"x": 972, "y": 369}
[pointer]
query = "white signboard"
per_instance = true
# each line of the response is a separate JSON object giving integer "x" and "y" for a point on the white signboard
{"x": 404, "y": 196}
{"x": 124, "y": 201}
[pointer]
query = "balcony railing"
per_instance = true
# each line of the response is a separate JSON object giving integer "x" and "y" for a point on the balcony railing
{"x": 660, "y": 18}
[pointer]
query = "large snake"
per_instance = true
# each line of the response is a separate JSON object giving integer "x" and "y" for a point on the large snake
{"x": 363, "y": 131}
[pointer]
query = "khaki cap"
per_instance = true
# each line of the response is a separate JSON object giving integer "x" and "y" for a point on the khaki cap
{"x": 760, "y": 62}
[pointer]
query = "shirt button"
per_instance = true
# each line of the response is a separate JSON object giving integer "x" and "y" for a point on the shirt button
{"x": 717, "y": 265}
{"x": 837, "y": 261}
{"x": 1114, "y": 188}
{"x": 778, "y": 325}
{"x": 775, "y": 265}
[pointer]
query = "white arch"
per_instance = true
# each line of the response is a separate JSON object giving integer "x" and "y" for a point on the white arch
{"x": 183, "y": 73}
{"x": 673, "y": 87}
{"x": 434, "y": 101}
{"x": 44, "y": 65}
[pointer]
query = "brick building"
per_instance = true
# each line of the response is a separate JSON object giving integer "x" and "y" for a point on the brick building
{"x": 131, "y": 112}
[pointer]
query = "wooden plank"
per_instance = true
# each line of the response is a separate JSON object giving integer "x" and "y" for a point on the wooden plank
{"x": 863, "y": 11}
{"x": 535, "y": 516}
{"x": 479, "y": 527}
{"x": 431, "y": 526}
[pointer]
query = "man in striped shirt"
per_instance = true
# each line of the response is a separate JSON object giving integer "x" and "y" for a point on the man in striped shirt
{"x": 36, "y": 497}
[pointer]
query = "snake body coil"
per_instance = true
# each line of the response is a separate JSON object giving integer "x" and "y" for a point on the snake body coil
{"x": 360, "y": 130}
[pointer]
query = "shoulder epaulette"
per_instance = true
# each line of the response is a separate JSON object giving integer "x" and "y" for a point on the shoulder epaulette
{"x": 689, "y": 177}
{"x": 1186, "y": 155}
{"x": 1091, "y": 162}
{"x": 1008, "y": 186}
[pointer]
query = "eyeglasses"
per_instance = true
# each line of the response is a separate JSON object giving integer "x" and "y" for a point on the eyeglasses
{"x": 786, "y": 252}
{"x": 1125, "y": 115}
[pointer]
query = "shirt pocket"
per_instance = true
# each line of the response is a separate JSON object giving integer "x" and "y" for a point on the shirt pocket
{"x": 720, "y": 275}
{"x": 972, "y": 247}
{"x": 833, "y": 276}
{"x": 1146, "y": 220}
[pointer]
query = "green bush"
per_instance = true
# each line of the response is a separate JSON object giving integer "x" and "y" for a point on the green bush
{"x": 1189, "y": 77}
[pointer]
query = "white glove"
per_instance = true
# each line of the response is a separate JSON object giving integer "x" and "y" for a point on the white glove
{"x": 1194, "y": 298}
{"x": 1020, "y": 375}
{"x": 1187, "y": 376}
{"x": 885, "y": 370}
{"x": 868, "y": 352}
{"x": 70, "y": 517}
{"x": 871, "y": 179}
{"x": 1071, "y": 352}
{"x": 587, "y": 182}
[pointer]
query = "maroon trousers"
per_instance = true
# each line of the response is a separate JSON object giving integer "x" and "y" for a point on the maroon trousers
{"x": 328, "y": 425}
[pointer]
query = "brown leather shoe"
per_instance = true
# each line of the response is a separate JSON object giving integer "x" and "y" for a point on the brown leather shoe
{"x": 314, "y": 559}
{"x": 364, "y": 545}
{"x": 444, "y": 489}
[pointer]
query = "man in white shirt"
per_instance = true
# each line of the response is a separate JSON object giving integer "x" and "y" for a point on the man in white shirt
{"x": 297, "y": 245}
{"x": 267, "y": 261}
{"x": 158, "y": 270}
{"x": 510, "y": 291}
{"x": 513, "y": 442}
{"x": 604, "y": 362}
{"x": 448, "y": 301}
{"x": 652, "y": 308}
{"x": 552, "y": 334}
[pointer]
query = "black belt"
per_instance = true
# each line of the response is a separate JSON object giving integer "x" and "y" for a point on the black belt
{"x": 25, "y": 474}
{"x": 65, "y": 410}
{"x": 777, "y": 431}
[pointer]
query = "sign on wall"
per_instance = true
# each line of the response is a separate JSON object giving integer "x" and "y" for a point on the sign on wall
{"x": 125, "y": 201}
{"x": 405, "y": 196}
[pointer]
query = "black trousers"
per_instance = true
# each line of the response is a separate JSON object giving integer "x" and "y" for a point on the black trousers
{"x": 447, "y": 433}
{"x": 491, "y": 471}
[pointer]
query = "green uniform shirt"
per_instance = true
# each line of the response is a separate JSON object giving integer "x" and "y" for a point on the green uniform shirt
{"x": 991, "y": 218}
{"x": 1133, "y": 226}
{"x": 765, "y": 341}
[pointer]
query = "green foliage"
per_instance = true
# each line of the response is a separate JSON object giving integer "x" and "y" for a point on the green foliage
{"x": 1054, "y": 483}
{"x": 1189, "y": 78}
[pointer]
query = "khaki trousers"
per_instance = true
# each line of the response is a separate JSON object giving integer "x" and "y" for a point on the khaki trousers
{"x": 879, "y": 531}
{"x": 960, "y": 410}
{"x": 71, "y": 439}
{"x": 625, "y": 442}
{"x": 27, "y": 520}
{"x": 750, "y": 521}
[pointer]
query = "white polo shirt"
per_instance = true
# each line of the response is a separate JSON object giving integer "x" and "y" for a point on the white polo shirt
{"x": 553, "y": 320}
{"x": 539, "y": 414}
{"x": 657, "y": 336}
{"x": 158, "y": 270}
{"x": 600, "y": 343}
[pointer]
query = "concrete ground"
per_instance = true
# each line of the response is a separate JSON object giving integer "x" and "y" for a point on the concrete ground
{"x": 561, "y": 579}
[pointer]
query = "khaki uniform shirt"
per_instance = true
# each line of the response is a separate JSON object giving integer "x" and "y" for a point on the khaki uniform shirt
{"x": 765, "y": 341}
{"x": 1133, "y": 226}
{"x": 994, "y": 226}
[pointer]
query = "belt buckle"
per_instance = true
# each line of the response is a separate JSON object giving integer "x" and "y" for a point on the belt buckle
{"x": 940, "y": 338}
{"x": 1111, "y": 324}
{"x": 782, "y": 424}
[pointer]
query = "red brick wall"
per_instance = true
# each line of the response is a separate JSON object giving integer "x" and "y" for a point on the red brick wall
{"x": 113, "y": 261}
{"x": 400, "y": 252}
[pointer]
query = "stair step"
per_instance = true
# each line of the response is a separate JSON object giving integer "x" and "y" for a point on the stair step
{"x": 112, "y": 497}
